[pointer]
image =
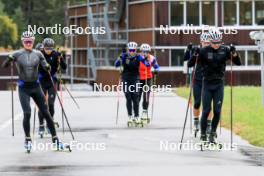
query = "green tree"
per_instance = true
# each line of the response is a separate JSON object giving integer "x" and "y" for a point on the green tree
{"x": 8, "y": 32}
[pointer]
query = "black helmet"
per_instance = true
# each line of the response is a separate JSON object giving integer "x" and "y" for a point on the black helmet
{"x": 39, "y": 46}
{"x": 48, "y": 42}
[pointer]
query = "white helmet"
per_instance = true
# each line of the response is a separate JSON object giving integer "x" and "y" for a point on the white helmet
{"x": 132, "y": 45}
{"x": 27, "y": 35}
{"x": 145, "y": 47}
{"x": 215, "y": 35}
{"x": 205, "y": 37}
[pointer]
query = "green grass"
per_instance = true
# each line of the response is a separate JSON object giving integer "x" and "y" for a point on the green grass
{"x": 248, "y": 112}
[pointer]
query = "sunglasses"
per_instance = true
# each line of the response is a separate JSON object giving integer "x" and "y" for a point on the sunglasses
{"x": 28, "y": 42}
{"x": 48, "y": 48}
{"x": 216, "y": 43}
{"x": 132, "y": 50}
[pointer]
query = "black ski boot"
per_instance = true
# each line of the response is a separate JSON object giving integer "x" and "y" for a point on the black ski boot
{"x": 59, "y": 145}
{"x": 28, "y": 144}
{"x": 41, "y": 131}
{"x": 212, "y": 138}
{"x": 196, "y": 127}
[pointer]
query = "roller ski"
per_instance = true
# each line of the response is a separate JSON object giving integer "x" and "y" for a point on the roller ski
{"x": 196, "y": 127}
{"x": 41, "y": 131}
{"x": 145, "y": 118}
{"x": 211, "y": 143}
{"x": 135, "y": 122}
{"x": 60, "y": 147}
{"x": 28, "y": 145}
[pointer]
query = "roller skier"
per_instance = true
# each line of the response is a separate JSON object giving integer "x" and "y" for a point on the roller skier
{"x": 197, "y": 84}
{"x": 213, "y": 61}
{"x": 129, "y": 62}
{"x": 27, "y": 61}
{"x": 56, "y": 61}
{"x": 146, "y": 75}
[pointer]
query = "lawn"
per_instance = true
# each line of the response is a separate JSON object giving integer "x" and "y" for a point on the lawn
{"x": 248, "y": 112}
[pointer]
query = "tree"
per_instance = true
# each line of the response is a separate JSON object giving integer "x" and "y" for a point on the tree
{"x": 8, "y": 32}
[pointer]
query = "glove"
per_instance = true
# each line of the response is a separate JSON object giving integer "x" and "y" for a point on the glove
{"x": 232, "y": 48}
{"x": 11, "y": 57}
{"x": 189, "y": 46}
{"x": 155, "y": 72}
{"x": 48, "y": 68}
{"x": 196, "y": 50}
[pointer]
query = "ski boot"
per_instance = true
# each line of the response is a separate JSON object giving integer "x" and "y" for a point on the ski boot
{"x": 28, "y": 144}
{"x": 130, "y": 122}
{"x": 41, "y": 131}
{"x": 59, "y": 146}
{"x": 204, "y": 141}
{"x": 196, "y": 127}
{"x": 139, "y": 122}
{"x": 145, "y": 118}
{"x": 213, "y": 143}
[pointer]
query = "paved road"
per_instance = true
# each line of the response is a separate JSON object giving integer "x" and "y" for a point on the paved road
{"x": 114, "y": 149}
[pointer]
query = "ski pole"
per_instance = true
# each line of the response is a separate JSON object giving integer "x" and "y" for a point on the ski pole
{"x": 71, "y": 95}
{"x": 34, "y": 121}
{"x": 191, "y": 85}
{"x": 12, "y": 99}
{"x": 63, "y": 111}
{"x": 118, "y": 101}
{"x": 153, "y": 93}
{"x": 231, "y": 101}
{"x": 188, "y": 104}
{"x": 62, "y": 117}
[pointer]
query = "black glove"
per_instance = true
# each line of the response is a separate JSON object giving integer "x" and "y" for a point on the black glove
{"x": 232, "y": 48}
{"x": 189, "y": 46}
{"x": 155, "y": 72}
{"x": 196, "y": 50}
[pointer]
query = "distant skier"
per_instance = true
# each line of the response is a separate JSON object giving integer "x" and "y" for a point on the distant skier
{"x": 198, "y": 81}
{"x": 213, "y": 61}
{"x": 129, "y": 63}
{"x": 145, "y": 74}
{"x": 27, "y": 61}
{"x": 56, "y": 61}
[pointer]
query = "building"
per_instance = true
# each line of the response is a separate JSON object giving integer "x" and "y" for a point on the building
{"x": 142, "y": 20}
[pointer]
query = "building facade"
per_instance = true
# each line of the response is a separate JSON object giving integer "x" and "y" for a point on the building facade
{"x": 144, "y": 21}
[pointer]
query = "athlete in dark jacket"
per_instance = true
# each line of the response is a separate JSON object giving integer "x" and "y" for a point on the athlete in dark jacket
{"x": 213, "y": 60}
{"x": 56, "y": 62}
{"x": 129, "y": 63}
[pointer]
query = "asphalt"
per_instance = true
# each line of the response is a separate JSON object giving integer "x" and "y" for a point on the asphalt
{"x": 107, "y": 148}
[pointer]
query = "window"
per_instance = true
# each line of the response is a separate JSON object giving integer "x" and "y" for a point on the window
{"x": 259, "y": 12}
{"x": 253, "y": 58}
{"x": 193, "y": 13}
{"x": 177, "y": 57}
{"x": 229, "y": 12}
{"x": 242, "y": 56}
{"x": 245, "y": 12}
{"x": 208, "y": 12}
{"x": 176, "y": 13}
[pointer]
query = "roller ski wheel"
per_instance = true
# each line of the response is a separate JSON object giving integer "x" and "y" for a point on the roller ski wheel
{"x": 131, "y": 123}
{"x": 140, "y": 124}
{"x": 211, "y": 146}
{"x": 28, "y": 145}
{"x": 146, "y": 120}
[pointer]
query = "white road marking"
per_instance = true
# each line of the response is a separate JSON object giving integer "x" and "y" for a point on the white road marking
{"x": 8, "y": 122}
